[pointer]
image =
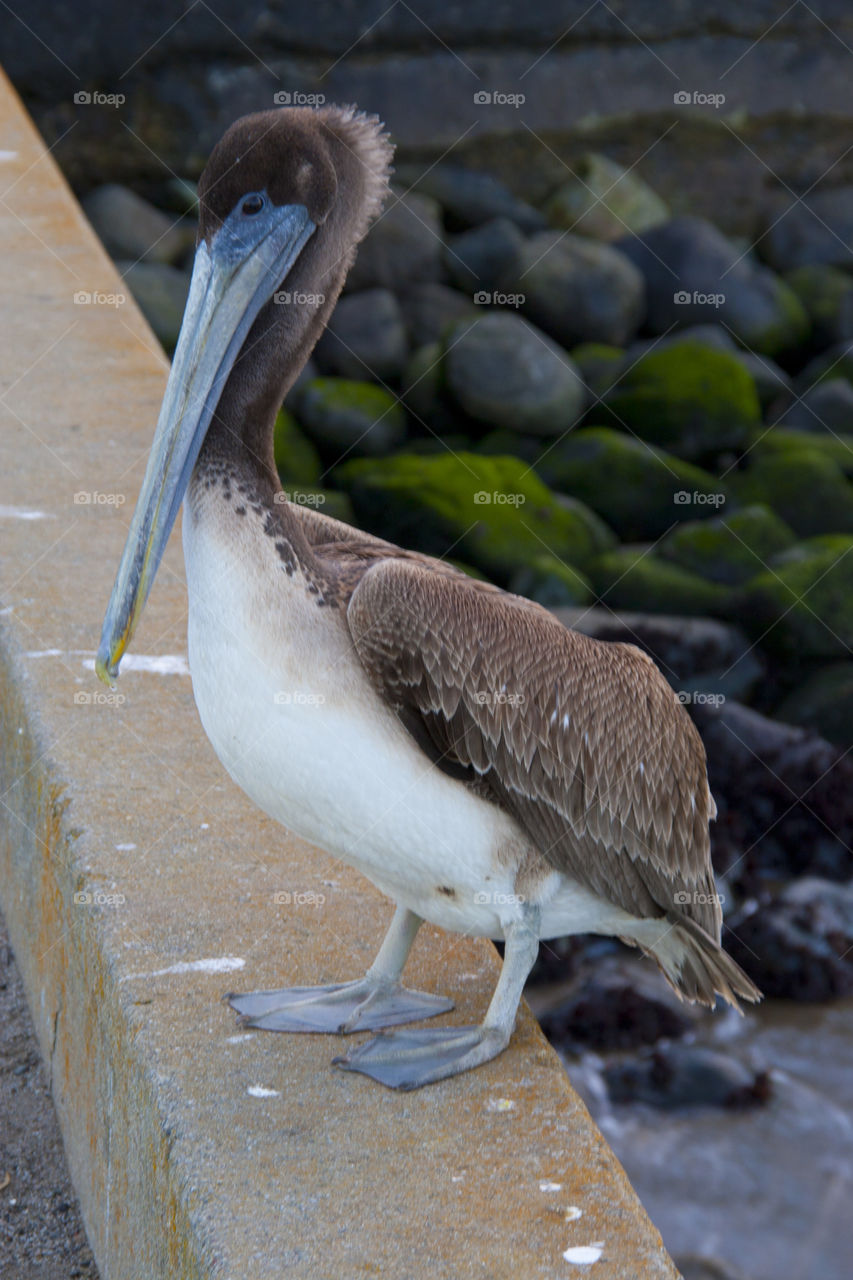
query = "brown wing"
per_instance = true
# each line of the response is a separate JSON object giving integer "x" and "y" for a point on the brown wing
{"x": 583, "y": 741}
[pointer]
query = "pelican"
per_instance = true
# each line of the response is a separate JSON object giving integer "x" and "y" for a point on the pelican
{"x": 486, "y": 768}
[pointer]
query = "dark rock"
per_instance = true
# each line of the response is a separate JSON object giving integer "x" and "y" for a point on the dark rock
{"x": 346, "y": 418}
{"x": 824, "y": 703}
{"x": 428, "y": 310}
{"x": 827, "y": 295}
{"x": 836, "y": 362}
{"x": 708, "y": 334}
{"x": 599, "y": 365}
{"x": 684, "y": 1076}
{"x": 770, "y": 381}
{"x": 365, "y": 338}
{"x": 160, "y": 292}
{"x": 503, "y": 371}
{"x": 815, "y": 228}
{"x": 578, "y": 290}
{"x": 605, "y": 201}
{"x": 693, "y": 1266}
{"x": 730, "y": 549}
{"x": 825, "y": 407}
{"x": 481, "y": 259}
{"x": 551, "y": 583}
{"x": 838, "y": 448}
{"x": 633, "y": 578}
{"x": 470, "y": 199}
{"x": 132, "y": 228}
{"x": 807, "y": 489}
{"x": 403, "y": 247}
{"x": 693, "y": 275}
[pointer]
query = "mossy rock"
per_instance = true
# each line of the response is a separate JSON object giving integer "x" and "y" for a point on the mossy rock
{"x": 632, "y": 578}
{"x": 603, "y": 200}
{"x": 691, "y": 399}
{"x": 513, "y": 443}
{"x": 827, "y": 295}
{"x": 551, "y": 583}
{"x": 836, "y": 446}
{"x": 343, "y": 416}
{"x": 824, "y": 702}
{"x": 638, "y": 489}
{"x": 494, "y": 512}
{"x": 730, "y": 549}
{"x": 835, "y": 362}
{"x": 296, "y": 459}
{"x": 599, "y": 364}
{"x": 808, "y": 548}
{"x": 803, "y": 610}
{"x": 328, "y": 502}
{"x": 806, "y": 489}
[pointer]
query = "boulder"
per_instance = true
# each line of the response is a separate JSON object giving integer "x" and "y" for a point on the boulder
{"x": 826, "y": 407}
{"x": 599, "y": 365}
{"x": 729, "y": 549}
{"x": 835, "y": 362}
{"x": 403, "y": 247}
{"x": 132, "y": 228}
{"x": 603, "y": 200}
{"x": 365, "y": 337}
{"x": 803, "y": 610}
{"x": 160, "y": 293}
{"x": 430, "y": 309}
{"x": 346, "y": 418}
{"x": 804, "y": 230}
{"x": 633, "y": 578}
{"x": 824, "y": 703}
{"x": 481, "y": 259}
{"x": 470, "y": 199}
{"x": 838, "y": 447}
{"x": 693, "y": 275}
{"x": 807, "y": 489}
{"x": 551, "y": 583}
{"x": 827, "y": 295}
{"x": 686, "y": 1075}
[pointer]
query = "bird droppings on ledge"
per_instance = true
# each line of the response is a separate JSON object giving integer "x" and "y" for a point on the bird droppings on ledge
{"x": 238, "y": 1039}
{"x": 158, "y": 664}
{"x": 22, "y": 513}
{"x": 550, "y": 1186}
{"x": 582, "y": 1255}
{"x": 258, "y": 1091}
{"x": 217, "y": 964}
{"x": 500, "y": 1104}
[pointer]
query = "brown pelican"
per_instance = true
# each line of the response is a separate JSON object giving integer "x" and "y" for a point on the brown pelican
{"x": 486, "y": 768}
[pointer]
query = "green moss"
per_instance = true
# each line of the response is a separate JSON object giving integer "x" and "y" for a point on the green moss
{"x": 635, "y": 579}
{"x": 807, "y": 489}
{"x": 342, "y": 415}
{"x": 638, "y": 489}
{"x": 551, "y": 583}
{"x": 296, "y": 458}
{"x": 599, "y": 364}
{"x": 494, "y": 512}
{"x": 830, "y": 444}
{"x": 804, "y": 609}
{"x": 789, "y": 330}
{"x": 692, "y": 399}
{"x": 730, "y": 549}
{"x": 825, "y": 292}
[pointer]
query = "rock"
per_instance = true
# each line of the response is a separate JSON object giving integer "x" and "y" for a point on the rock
{"x": 629, "y": 578}
{"x": 429, "y": 309}
{"x": 345, "y": 418}
{"x": 505, "y": 372}
{"x": 161, "y": 295}
{"x": 470, "y": 199}
{"x": 365, "y": 338}
{"x": 784, "y": 795}
{"x": 551, "y": 583}
{"x": 815, "y": 228}
{"x": 825, "y": 407}
{"x": 804, "y": 487}
{"x": 327, "y": 501}
{"x": 685, "y": 1076}
{"x": 578, "y": 290}
{"x": 132, "y": 228}
{"x": 481, "y": 259}
{"x": 693, "y": 274}
{"x": 709, "y": 335}
{"x": 646, "y": 490}
{"x": 694, "y": 1266}
{"x": 799, "y": 946}
{"x": 422, "y": 389}
{"x": 403, "y": 247}
{"x": 824, "y": 703}
{"x": 599, "y": 365}
{"x": 836, "y": 362}
{"x": 827, "y": 295}
{"x": 688, "y": 398}
{"x": 770, "y": 381}
{"x": 617, "y": 1004}
{"x": 782, "y": 440}
{"x": 513, "y": 443}
{"x": 494, "y": 513}
{"x": 181, "y": 196}
{"x": 296, "y": 459}
{"x": 804, "y": 610}
{"x": 730, "y": 549}
{"x": 605, "y": 201}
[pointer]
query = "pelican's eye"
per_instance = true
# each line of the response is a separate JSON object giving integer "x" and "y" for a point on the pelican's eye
{"x": 252, "y": 204}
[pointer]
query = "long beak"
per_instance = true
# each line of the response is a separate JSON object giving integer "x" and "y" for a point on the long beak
{"x": 232, "y": 279}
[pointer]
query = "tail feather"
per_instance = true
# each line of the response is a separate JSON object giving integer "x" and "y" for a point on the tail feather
{"x": 695, "y": 966}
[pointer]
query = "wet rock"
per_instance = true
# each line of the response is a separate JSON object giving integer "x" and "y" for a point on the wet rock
{"x": 688, "y": 398}
{"x": 578, "y": 290}
{"x": 551, "y": 583}
{"x": 807, "y": 489}
{"x": 481, "y": 259}
{"x": 815, "y": 228}
{"x": 730, "y": 549}
{"x": 647, "y": 489}
{"x": 345, "y": 418}
{"x": 160, "y": 292}
{"x": 132, "y": 228}
{"x": 494, "y": 513}
{"x": 693, "y": 275}
{"x": 503, "y": 371}
{"x": 429, "y": 309}
{"x": 827, "y": 295}
{"x": 599, "y": 365}
{"x": 686, "y": 1076}
{"x": 402, "y": 248}
{"x": 799, "y": 946}
{"x": 824, "y": 703}
{"x": 605, "y": 201}
{"x": 470, "y": 199}
{"x": 825, "y": 407}
{"x": 633, "y": 578}
{"x": 296, "y": 459}
{"x": 365, "y": 337}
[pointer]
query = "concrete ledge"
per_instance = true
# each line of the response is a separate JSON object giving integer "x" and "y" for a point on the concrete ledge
{"x": 139, "y": 884}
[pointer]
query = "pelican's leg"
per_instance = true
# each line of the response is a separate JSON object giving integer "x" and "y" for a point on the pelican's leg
{"x": 409, "y": 1059}
{"x": 377, "y": 1000}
